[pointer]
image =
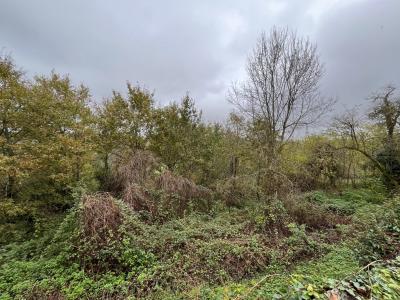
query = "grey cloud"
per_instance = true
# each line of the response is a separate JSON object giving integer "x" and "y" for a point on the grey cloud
{"x": 360, "y": 45}
{"x": 197, "y": 46}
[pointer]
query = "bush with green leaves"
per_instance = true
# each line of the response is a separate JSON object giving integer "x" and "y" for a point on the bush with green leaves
{"x": 376, "y": 281}
{"x": 103, "y": 248}
{"x": 102, "y": 240}
{"x": 379, "y": 231}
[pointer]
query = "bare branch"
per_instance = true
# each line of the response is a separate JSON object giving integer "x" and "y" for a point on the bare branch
{"x": 282, "y": 88}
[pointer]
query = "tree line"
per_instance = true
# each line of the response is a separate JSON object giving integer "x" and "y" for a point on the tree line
{"x": 55, "y": 140}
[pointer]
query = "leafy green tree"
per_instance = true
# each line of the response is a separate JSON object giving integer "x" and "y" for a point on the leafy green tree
{"x": 386, "y": 111}
{"x": 58, "y": 136}
{"x": 45, "y": 135}
{"x": 112, "y": 124}
{"x": 13, "y": 97}
{"x": 123, "y": 124}
{"x": 181, "y": 139}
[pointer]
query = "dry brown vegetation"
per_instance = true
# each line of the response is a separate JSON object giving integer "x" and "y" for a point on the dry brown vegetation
{"x": 311, "y": 214}
{"x": 235, "y": 191}
{"x": 100, "y": 218}
{"x": 134, "y": 168}
{"x": 145, "y": 185}
{"x": 40, "y": 294}
{"x": 100, "y": 215}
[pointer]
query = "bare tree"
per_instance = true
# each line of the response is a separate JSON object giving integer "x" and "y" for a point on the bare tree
{"x": 281, "y": 93}
{"x": 349, "y": 126}
{"x": 386, "y": 109}
{"x": 356, "y": 138}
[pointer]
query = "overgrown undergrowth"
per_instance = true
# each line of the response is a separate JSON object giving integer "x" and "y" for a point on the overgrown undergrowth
{"x": 104, "y": 249}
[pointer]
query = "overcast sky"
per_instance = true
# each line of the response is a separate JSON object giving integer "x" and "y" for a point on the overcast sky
{"x": 199, "y": 46}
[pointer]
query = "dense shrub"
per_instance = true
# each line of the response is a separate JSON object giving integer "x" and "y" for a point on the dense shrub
{"x": 379, "y": 281}
{"x": 148, "y": 187}
{"x": 276, "y": 219}
{"x": 100, "y": 216}
{"x": 105, "y": 249}
{"x": 236, "y": 191}
{"x": 313, "y": 215}
{"x": 99, "y": 238}
{"x": 276, "y": 281}
{"x": 389, "y": 158}
{"x": 349, "y": 201}
{"x": 379, "y": 229}
{"x": 303, "y": 180}
{"x": 274, "y": 183}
